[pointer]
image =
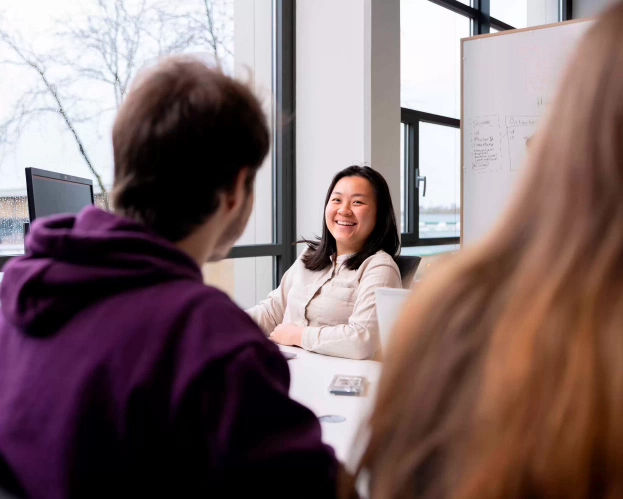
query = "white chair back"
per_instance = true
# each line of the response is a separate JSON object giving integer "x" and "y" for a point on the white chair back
{"x": 389, "y": 303}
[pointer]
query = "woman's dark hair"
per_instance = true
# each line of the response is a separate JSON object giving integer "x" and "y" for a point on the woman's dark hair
{"x": 384, "y": 236}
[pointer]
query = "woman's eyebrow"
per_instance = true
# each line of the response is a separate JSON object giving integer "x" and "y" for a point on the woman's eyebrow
{"x": 354, "y": 195}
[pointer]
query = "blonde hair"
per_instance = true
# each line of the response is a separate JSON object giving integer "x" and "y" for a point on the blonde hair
{"x": 505, "y": 375}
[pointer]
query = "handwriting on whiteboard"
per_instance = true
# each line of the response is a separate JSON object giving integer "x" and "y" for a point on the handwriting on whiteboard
{"x": 537, "y": 61}
{"x": 486, "y": 144}
{"x": 519, "y": 129}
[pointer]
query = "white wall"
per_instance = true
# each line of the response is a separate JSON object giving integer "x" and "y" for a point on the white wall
{"x": 347, "y": 97}
{"x": 589, "y": 8}
{"x": 382, "y": 92}
{"x": 542, "y": 12}
{"x": 329, "y": 100}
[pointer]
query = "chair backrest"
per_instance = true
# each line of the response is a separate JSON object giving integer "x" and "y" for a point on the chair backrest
{"x": 407, "y": 265}
{"x": 389, "y": 303}
{"x": 7, "y": 495}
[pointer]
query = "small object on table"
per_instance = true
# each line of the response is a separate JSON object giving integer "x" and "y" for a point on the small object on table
{"x": 347, "y": 385}
{"x": 331, "y": 418}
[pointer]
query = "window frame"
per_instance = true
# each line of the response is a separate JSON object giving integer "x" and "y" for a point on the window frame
{"x": 480, "y": 15}
{"x": 282, "y": 249}
{"x": 411, "y": 120}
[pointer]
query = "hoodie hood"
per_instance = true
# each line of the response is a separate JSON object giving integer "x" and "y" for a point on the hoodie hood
{"x": 72, "y": 262}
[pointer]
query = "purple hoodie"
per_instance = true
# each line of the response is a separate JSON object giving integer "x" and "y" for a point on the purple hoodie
{"x": 123, "y": 375}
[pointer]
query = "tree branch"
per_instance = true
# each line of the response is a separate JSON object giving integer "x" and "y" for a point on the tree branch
{"x": 37, "y": 65}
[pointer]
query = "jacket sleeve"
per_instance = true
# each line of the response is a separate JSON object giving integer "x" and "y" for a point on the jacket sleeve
{"x": 269, "y": 313}
{"x": 359, "y": 338}
{"x": 267, "y": 444}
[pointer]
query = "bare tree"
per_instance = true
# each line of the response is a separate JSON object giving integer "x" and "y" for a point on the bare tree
{"x": 108, "y": 45}
{"x": 123, "y": 33}
{"x": 109, "y": 41}
{"x": 204, "y": 24}
{"x": 44, "y": 98}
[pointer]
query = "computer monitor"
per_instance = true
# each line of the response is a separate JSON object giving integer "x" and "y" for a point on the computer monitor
{"x": 51, "y": 193}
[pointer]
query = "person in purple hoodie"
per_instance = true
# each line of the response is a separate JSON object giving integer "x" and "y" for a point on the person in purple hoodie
{"x": 121, "y": 373}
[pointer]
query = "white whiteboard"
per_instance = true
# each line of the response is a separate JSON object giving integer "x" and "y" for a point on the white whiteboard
{"x": 508, "y": 82}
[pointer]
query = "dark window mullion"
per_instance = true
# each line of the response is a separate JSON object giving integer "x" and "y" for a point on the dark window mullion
{"x": 285, "y": 166}
{"x": 483, "y": 23}
{"x": 566, "y": 10}
{"x": 500, "y": 25}
{"x": 411, "y": 240}
{"x": 256, "y": 250}
{"x": 457, "y": 7}
{"x": 412, "y": 116}
{"x": 416, "y": 184}
{"x": 412, "y": 150}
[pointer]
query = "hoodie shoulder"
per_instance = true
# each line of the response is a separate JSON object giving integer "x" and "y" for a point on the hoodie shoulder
{"x": 212, "y": 322}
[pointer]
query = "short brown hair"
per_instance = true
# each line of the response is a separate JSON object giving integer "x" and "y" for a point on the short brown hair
{"x": 182, "y": 135}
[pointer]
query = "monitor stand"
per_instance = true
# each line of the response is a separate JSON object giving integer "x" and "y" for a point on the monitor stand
{"x": 26, "y": 231}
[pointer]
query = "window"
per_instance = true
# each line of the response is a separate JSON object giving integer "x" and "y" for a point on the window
{"x": 524, "y": 13}
{"x": 431, "y": 179}
{"x": 430, "y": 65}
{"x": 430, "y": 32}
{"x": 440, "y": 148}
{"x": 431, "y": 108}
{"x": 67, "y": 71}
{"x": 514, "y": 13}
{"x": 89, "y": 53}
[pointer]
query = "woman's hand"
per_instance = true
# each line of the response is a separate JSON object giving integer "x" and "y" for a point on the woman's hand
{"x": 288, "y": 334}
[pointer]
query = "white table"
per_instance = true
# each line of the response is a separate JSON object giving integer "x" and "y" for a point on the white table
{"x": 311, "y": 375}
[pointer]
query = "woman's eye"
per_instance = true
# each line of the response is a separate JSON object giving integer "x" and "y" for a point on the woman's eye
{"x": 335, "y": 200}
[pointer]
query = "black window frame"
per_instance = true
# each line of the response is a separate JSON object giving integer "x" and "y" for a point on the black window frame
{"x": 480, "y": 15}
{"x": 282, "y": 249}
{"x": 411, "y": 120}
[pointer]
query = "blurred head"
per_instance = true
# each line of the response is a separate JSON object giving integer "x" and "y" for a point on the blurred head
{"x": 504, "y": 378}
{"x": 187, "y": 143}
{"x": 359, "y": 220}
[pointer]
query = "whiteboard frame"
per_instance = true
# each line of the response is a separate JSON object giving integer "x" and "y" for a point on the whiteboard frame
{"x": 491, "y": 35}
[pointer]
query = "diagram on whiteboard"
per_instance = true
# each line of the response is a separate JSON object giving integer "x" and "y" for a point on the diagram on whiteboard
{"x": 486, "y": 144}
{"x": 519, "y": 129}
{"x": 492, "y": 148}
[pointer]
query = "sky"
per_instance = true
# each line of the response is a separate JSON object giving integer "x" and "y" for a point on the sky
{"x": 46, "y": 141}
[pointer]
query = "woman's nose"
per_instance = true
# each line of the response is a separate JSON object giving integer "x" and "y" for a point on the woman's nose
{"x": 344, "y": 211}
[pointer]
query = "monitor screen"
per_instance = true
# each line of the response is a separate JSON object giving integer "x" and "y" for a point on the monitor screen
{"x": 52, "y": 197}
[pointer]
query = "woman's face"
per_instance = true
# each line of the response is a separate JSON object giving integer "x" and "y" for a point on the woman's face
{"x": 350, "y": 214}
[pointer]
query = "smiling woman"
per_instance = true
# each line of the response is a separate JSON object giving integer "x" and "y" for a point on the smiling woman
{"x": 325, "y": 302}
